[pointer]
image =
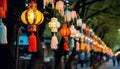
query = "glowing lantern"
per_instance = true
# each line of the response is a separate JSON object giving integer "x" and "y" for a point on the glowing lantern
{"x": 77, "y": 37}
{"x": 54, "y": 42}
{"x": 46, "y": 2}
{"x": 79, "y": 22}
{"x": 82, "y": 46}
{"x": 3, "y": 33}
{"x": 86, "y": 30}
{"x": 67, "y": 16}
{"x": 83, "y": 25}
{"x": 60, "y": 7}
{"x": 32, "y": 17}
{"x": 54, "y": 24}
{"x": 73, "y": 14}
{"x": 64, "y": 31}
{"x": 72, "y": 31}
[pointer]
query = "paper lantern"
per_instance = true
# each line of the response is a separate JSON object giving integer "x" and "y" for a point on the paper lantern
{"x": 54, "y": 24}
{"x": 83, "y": 25}
{"x": 64, "y": 31}
{"x": 32, "y": 46}
{"x": 54, "y": 42}
{"x": 60, "y": 7}
{"x": 3, "y": 33}
{"x": 32, "y": 17}
{"x": 67, "y": 16}
{"x": 46, "y": 2}
{"x": 77, "y": 46}
{"x": 3, "y": 8}
{"x": 77, "y": 35}
{"x": 82, "y": 46}
{"x": 72, "y": 31}
{"x": 79, "y": 22}
{"x": 73, "y": 14}
{"x": 87, "y": 32}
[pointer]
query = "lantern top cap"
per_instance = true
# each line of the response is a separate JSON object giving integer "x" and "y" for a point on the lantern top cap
{"x": 32, "y": 4}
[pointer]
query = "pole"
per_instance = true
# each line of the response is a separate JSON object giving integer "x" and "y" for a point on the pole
{"x": 17, "y": 50}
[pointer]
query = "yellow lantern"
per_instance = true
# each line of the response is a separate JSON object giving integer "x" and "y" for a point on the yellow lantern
{"x": 32, "y": 16}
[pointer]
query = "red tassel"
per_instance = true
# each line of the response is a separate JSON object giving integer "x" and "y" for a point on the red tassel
{"x": 32, "y": 47}
{"x": 66, "y": 48}
{"x": 3, "y": 8}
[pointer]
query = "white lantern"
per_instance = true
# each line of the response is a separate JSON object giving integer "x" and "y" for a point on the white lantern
{"x": 67, "y": 16}
{"x": 72, "y": 31}
{"x": 79, "y": 22}
{"x": 60, "y": 7}
{"x": 46, "y": 2}
{"x": 77, "y": 35}
{"x": 73, "y": 14}
{"x": 54, "y": 24}
{"x": 3, "y": 33}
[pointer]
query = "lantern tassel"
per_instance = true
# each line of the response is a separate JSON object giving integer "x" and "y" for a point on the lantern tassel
{"x": 72, "y": 43}
{"x": 66, "y": 47}
{"x": 77, "y": 46}
{"x": 3, "y": 8}
{"x": 54, "y": 42}
{"x": 32, "y": 47}
{"x": 3, "y": 33}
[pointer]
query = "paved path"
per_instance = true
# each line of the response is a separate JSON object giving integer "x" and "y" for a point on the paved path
{"x": 107, "y": 65}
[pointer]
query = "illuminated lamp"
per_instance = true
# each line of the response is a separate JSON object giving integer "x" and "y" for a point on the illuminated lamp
{"x": 32, "y": 17}
{"x": 64, "y": 31}
{"x": 60, "y": 7}
{"x": 54, "y": 24}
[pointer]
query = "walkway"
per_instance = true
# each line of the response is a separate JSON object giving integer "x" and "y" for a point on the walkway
{"x": 107, "y": 65}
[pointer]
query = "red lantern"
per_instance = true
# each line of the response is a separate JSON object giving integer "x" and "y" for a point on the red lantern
{"x": 64, "y": 31}
{"x": 86, "y": 30}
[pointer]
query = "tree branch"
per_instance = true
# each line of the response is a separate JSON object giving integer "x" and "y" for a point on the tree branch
{"x": 103, "y": 10}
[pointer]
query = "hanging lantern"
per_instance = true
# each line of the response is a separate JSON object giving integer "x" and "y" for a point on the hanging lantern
{"x": 60, "y": 7}
{"x": 77, "y": 46}
{"x": 72, "y": 31}
{"x": 77, "y": 35}
{"x": 54, "y": 24}
{"x": 54, "y": 42}
{"x": 73, "y": 14}
{"x": 32, "y": 17}
{"x": 67, "y": 16}
{"x": 46, "y": 2}
{"x": 3, "y": 8}
{"x": 79, "y": 22}
{"x": 82, "y": 46}
{"x": 32, "y": 47}
{"x": 3, "y": 33}
{"x": 86, "y": 30}
{"x": 64, "y": 31}
{"x": 83, "y": 25}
